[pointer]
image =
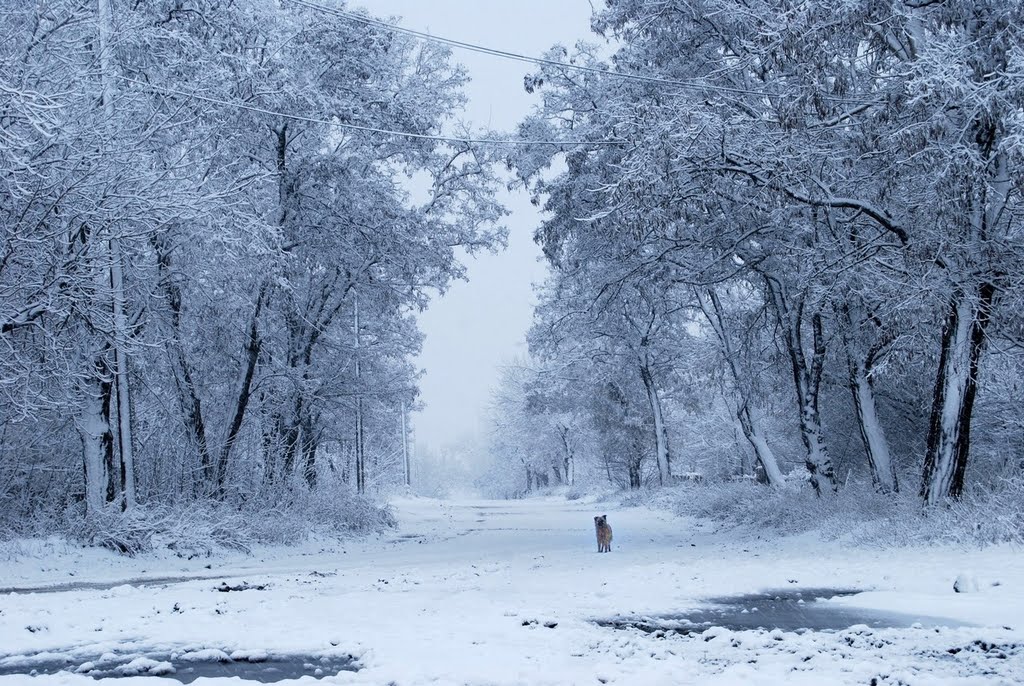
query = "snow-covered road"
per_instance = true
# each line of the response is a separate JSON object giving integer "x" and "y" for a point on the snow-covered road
{"x": 496, "y": 592}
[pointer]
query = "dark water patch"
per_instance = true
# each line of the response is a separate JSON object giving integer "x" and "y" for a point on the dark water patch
{"x": 488, "y": 513}
{"x": 107, "y": 585}
{"x": 187, "y": 667}
{"x": 789, "y": 609}
{"x": 473, "y": 530}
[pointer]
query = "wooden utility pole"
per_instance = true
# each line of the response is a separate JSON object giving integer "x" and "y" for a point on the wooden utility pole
{"x": 360, "y": 456}
{"x": 405, "y": 448}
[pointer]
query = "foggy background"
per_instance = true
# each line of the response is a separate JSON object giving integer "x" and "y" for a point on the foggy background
{"x": 480, "y": 324}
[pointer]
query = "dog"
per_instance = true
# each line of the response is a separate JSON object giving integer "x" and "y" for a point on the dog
{"x": 604, "y": 534}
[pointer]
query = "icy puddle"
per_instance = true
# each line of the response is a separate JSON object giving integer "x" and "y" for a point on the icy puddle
{"x": 185, "y": 668}
{"x": 788, "y": 610}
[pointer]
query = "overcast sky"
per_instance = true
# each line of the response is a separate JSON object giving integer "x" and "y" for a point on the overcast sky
{"x": 477, "y": 326}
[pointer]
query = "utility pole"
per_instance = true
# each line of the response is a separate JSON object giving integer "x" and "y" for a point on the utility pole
{"x": 360, "y": 458}
{"x": 405, "y": 448}
{"x": 412, "y": 448}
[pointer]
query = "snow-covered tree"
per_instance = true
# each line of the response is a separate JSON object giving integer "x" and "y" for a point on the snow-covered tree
{"x": 211, "y": 262}
{"x": 790, "y": 151}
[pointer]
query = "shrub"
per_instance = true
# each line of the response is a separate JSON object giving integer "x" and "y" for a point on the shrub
{"x": 197, "y": 529}
{"x": 986, "y": 515}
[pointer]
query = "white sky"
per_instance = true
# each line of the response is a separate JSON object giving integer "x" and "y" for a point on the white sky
{"x": 480, "y": 325}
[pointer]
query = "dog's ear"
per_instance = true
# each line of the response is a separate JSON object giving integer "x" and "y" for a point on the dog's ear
{"x": 604, "y": 516}
{"x": 597, "y": 519}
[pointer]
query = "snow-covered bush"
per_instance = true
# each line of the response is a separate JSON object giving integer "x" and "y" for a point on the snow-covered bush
{"x": 984, "y": 516}
{"x": 574, "y": 493}
{"x": 994, "y": 514}
{"x": 128, "y": 533}
{"x": 197, "y": 529}
{"x": 187, "y": 531}
{"x": 340, "y": 514}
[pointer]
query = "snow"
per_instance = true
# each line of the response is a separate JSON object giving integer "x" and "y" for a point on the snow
{"x": 144, "y": 665}
{"x": 496, "y": 592}
{"x": 966, "y": 582}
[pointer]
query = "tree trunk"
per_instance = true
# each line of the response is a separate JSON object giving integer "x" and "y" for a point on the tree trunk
{"x": 818, "y": 462}
{"x": 111, "y": 464}
{"x": 963, "y": 338}
{"x": 635, "y": 477}
{"x": 883, "y": 472}
{"x": 861, "y": 364}
{"x": 252, "y": 349}
{"x": 711, "y": 305}
{"x": 740, "y": 441}
{"x": 567, "y": 456}
{"x": 121, "y": 405}
{"x": 126, "y": 451}
{"x": 660, "y": 432}
{"x": 188, "y": 396}
{"x": 308, "y": 442}
{"x": 93, "y": 424}
{"x": 122, "y": 396}
{"x": 192, "y": 414}
{"x": 301, "y": 443}
{"x": 763, "y": 453}
{"x": 290, "y": 446}
{"x": 963, "y": 332}
{"x": 556, "y": 469}
{"x": 269, "y": 446}
{"x": 807, "y": 383}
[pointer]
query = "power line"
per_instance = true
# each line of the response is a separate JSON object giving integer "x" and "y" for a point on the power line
{"x": 422, "y": 35}
{"x": 473, "y": 47}
{"x": 357, "y": 127}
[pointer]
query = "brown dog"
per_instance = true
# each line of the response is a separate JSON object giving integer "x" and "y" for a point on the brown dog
{"x": 604, "y": 534}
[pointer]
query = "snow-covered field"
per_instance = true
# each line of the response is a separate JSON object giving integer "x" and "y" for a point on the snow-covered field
{"x": 494, "y": 592}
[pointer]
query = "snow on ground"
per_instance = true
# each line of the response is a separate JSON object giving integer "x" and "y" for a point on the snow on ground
{"x": 462, "y": 591}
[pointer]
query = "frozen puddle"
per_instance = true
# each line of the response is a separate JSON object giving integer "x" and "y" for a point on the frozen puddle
{"x": 185, "y": 667}
{"x": 787, "y": 609}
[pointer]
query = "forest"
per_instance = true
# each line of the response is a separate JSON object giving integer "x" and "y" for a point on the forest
{"x": 211, "y": 263}
{"x": 790, "y": 253}
{"x": 784, "y": 244}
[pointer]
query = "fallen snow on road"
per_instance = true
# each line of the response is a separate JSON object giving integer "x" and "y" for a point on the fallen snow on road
{"x": 494, "y": 592}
